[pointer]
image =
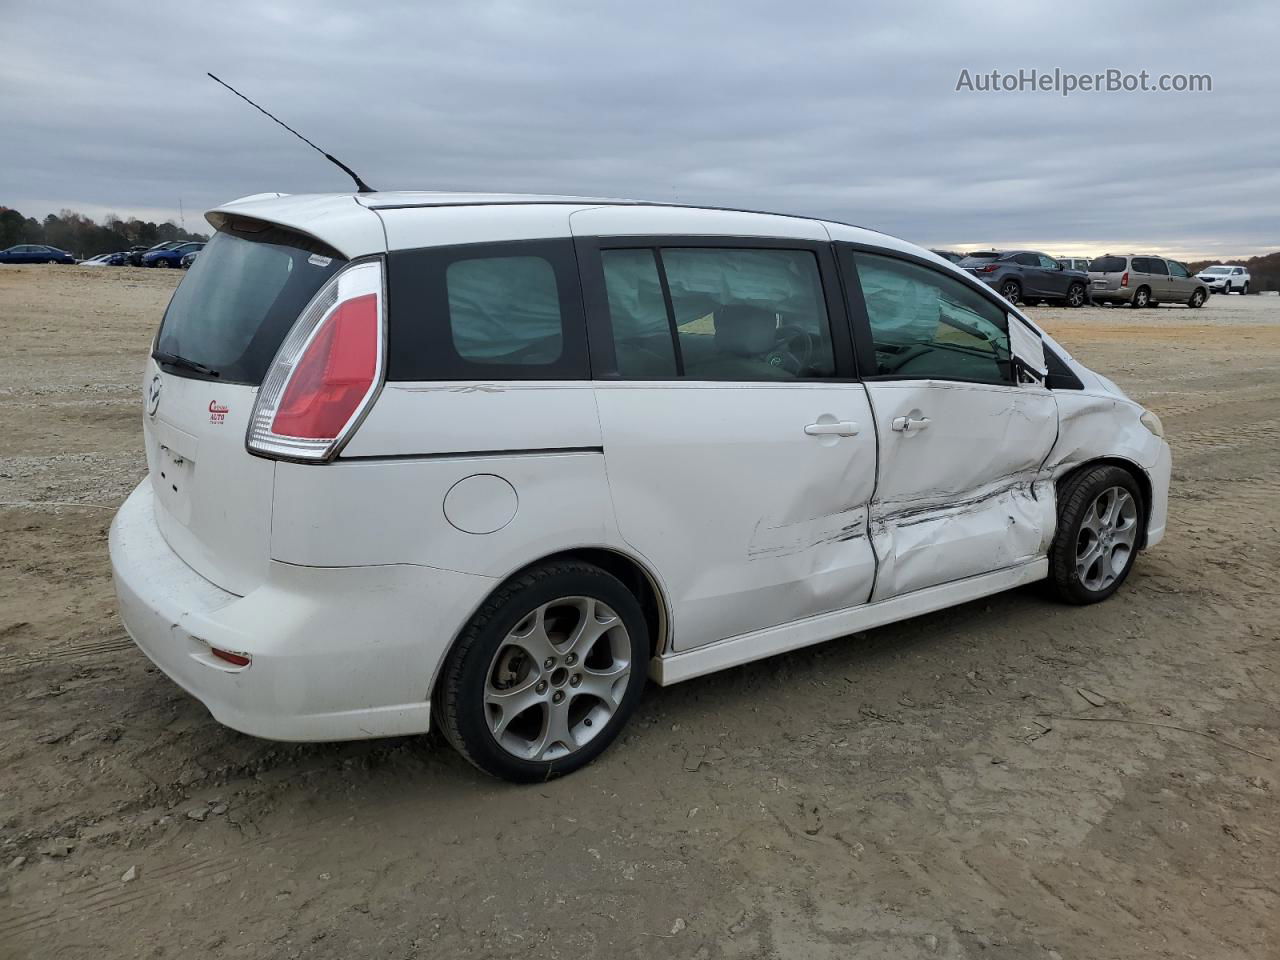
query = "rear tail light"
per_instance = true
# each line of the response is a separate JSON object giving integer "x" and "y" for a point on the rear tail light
{"x": 989, "y": 268}
{"x": 1124, "y": 279}
{"x": 327, "y": 372}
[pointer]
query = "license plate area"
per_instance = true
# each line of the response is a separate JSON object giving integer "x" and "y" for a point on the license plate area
{"x": 172, "y": 482}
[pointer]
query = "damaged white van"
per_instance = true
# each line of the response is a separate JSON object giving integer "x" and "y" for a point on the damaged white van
{"x": 492, "y": 461}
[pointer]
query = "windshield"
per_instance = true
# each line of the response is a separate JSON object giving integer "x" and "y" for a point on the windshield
{"x": 1218, "y": 270}
{"x": 233, "y": 309}
{"x": 1107, "y": 265}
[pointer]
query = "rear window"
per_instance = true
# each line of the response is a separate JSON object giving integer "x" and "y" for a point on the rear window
{"x": 1107, "y": 265}
{"x": 233, "y": 309}
{"x": 978, "y": 259}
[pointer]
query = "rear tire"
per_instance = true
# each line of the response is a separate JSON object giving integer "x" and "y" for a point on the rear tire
{"x": 1141, "y": 298}
{"x": 1244, "y": 290}
{"x": 546, "y": 674}
{"x": 1100, "y": 517}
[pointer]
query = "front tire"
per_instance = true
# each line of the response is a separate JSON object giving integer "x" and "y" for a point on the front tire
{"x": 1227, "y": 288}
{"x": 546, "y": 674}
{"x": 1099, "y": 531}
{"x": 1075, "y": 295}
{"x": 1197, "y": 299}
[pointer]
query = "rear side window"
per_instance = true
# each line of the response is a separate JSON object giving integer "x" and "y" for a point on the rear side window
{"x": 1107, "y": 265}
{"x": 485, "y": 311}
{"x": 1158, "y": 266}
{"x": 504, "y": 310}
{"x": 242, "y": 295}
{"x": 1142, "y": 265}
{"x": 703, "y": 313}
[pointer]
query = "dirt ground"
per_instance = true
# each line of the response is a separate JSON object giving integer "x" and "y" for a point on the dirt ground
{"x": 1012, "y": 778}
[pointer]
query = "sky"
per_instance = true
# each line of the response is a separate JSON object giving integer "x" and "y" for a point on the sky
{"x": 848, "y": 111}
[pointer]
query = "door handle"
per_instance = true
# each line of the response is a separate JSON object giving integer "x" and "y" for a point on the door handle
{"x": 910, "y": 424}
{"x": 844, "y": 428}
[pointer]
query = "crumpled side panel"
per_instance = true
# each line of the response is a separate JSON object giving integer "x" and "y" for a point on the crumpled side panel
{"x": 1009, "y": 522}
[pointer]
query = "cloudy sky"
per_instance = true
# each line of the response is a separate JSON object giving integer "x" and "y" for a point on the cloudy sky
{"x": 845, "y": 110}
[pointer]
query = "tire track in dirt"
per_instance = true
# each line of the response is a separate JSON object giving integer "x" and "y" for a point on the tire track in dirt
{"x": 77, "y": 650}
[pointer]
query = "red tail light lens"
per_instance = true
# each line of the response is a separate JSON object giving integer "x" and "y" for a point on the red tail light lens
{"x": 989, "y": 268}
{"x": 333, "y": 375}
{"x": 327, "y": 371}
{"x": 1124, "y": 279}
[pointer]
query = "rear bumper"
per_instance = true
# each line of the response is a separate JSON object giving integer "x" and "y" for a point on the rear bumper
{"x": 338, "y": 653}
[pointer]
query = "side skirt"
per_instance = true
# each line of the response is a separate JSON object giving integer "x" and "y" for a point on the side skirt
{"x": 735, "y": 651}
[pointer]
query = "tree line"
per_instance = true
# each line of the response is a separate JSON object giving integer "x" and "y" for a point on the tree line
{"x": 82, "y": 236}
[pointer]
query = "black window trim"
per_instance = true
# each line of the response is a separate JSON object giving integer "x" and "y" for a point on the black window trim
{"x": 573, "y": 364}
{"x": 604, "y": 364}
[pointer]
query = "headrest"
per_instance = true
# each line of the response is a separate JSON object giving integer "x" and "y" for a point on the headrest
{"x": 745, "y": 330}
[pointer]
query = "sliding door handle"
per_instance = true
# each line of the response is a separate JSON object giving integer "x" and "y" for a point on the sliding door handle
{"x": 842, "y": 428}
{"x": 910, "y": 424}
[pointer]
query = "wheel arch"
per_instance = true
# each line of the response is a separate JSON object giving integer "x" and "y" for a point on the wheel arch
{"x": 635, "y": 576}
{"x": 1139, "y": 475}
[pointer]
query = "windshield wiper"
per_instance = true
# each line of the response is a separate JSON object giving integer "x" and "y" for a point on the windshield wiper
{"x": 176, "y": 361}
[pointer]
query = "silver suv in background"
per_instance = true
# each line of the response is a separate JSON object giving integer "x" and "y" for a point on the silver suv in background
{"x": 1225, "y": 278}
{"x": 1144, "y": 281}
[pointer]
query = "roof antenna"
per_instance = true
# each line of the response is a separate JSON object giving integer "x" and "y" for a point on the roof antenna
{"x": 361, "y": 186}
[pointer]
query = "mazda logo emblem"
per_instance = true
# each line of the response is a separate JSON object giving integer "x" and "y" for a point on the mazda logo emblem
{"x": 153, "y": 396}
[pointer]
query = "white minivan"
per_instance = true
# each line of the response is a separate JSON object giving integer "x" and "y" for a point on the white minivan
{"x": 495, "y": 459}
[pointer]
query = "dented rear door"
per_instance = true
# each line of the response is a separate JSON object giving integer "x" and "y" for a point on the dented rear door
{"x": 961, "y": 444}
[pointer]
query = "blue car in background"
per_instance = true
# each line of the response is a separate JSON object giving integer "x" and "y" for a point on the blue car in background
{"x": 35, "y": 253}
{"x": 171, "y": 257}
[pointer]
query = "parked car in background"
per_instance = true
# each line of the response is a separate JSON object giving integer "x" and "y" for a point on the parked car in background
{"x": 949, "y": 255}
{"x": 686, "y": 465}
{"x": 106, "y": 260}
{"x": 1225, "y": 278}
{"x": 169, "y": 256}
{"x": 1028, "y": 276}
{"x": 137, "y": 253}
{"x": 1144, "y": 281}
{"x": 35, "y": 253}
{"x": 1075, "y": 263}
{"x": 189, "y": 258}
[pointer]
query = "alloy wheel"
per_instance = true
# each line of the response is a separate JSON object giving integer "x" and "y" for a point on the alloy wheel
{"x": 1107, "y": 538}
{"x": 557, "y": 678}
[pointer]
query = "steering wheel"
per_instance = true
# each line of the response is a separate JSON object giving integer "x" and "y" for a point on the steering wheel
{"x": 798, "y": 344}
